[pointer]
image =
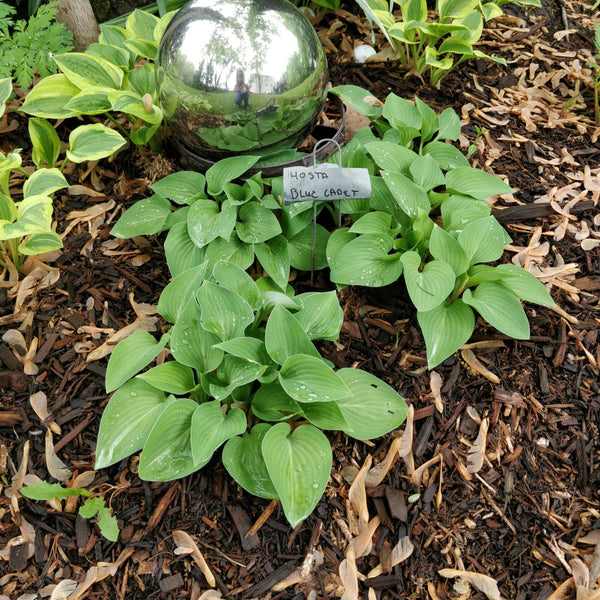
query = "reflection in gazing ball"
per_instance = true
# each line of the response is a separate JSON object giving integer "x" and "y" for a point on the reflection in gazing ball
{"x": 240, "y": 77}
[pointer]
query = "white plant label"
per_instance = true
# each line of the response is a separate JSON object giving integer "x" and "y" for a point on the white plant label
{"x": 325, "y": 182}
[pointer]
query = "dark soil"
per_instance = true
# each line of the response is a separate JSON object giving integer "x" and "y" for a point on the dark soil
{"x": 521, "y": 519}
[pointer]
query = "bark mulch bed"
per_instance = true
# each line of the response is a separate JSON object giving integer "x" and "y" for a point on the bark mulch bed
{"x": 499, "y": 473}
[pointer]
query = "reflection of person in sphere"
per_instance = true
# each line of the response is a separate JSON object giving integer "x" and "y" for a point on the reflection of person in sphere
{"x": 242, "y": 90}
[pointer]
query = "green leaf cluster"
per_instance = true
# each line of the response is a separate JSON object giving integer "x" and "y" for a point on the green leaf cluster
{"x": 26, "y": 225}
{"x": 244, "y": 374}
{"x": 110, "y": 76}
{"x": 434, "y": 44}
{"x": 428, "y": 221}
{"x": 27, "y": 47}
{"x": 93, "y": 506}
{"x": 220, "y": 219}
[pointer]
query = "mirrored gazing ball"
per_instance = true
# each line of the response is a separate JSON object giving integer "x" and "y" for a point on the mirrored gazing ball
{"x": 240, "y": 77}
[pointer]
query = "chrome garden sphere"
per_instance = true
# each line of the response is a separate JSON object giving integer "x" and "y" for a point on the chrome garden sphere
{"x": 240, "y": 77}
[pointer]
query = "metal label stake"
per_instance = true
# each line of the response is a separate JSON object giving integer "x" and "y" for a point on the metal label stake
{"x": 324, "y": 182}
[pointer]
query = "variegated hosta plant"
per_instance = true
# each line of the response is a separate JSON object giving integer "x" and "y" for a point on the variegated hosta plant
{"x": 239, "y": 367}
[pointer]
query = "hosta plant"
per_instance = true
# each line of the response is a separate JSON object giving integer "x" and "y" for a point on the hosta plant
{"x": 112, "y": 77}
{"x": 217, "y": 218}
{"x": 241, "y": 371}
{"x": 428, "y": 223}
{"x": 434, "y": 42}
{"x": 26, "y": 224}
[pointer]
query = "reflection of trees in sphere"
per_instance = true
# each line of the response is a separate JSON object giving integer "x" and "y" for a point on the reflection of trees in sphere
{"x": 240, "y": 76}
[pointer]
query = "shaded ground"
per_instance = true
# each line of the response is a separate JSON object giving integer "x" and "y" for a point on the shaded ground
{"x": 532, "y": 507}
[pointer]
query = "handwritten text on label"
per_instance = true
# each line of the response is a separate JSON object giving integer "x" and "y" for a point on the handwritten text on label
{"x": 325, "y": 182}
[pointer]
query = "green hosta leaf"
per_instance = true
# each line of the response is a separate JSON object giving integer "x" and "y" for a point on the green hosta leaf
{"x": 34, "y": 215}
{"x": 171, "y": 377}
{"x": 446, "y": 155}
{"x": 232, "y": 250}
{"x": 324, "y": 415}
{"x": 84, "y": 70}
{"x": 127, "y": 420}
{"x": 525, "y": 285}
{"x": 44, "y": 182}
{"x": 93, "y": 142}
{"x": 446, "y": 248}
{"x": 207, "y": 222}
{"x": 321, "y": 315}
{"x": 181, "y": 252}
{"x": 236, "y": 279}
{"x": 8, "y": 209}
{"x": 145, "y": 217}
{"x": 298, "y": 464}
{"x": 483, "y": 240}
{"x": 376, "y": 222}
{"x": 445, "y": 329}
{"x": 227, "y": 170}
{"x": 243, "y": 459}
{"x": 6, "y": 89}
{"x": 391, "y": 157}
{"x": 191, "y": 344}
{"x": 429, "y": 287}
{"x": 426, "y": 172}
{"x": 308, "y": 379}
{"x": 358, "y": 99}
{"x": 364, "y": 260}
{"x": 248, "y": 348}
{"x": 45, "y": 141}
{"x": 256, "y": 223}
{"x": 39, "y": 243}
{"x": 300, "y": 248}
{"x": 49, "y": 98}
{"x": 224, "y": 313}
{"x": 411, "y": 198}
{"x": 285, "y": 337}
{"x": 373, "y": 408}
{"x": 92, "y": 100}
{"x": 402, "y": 113}
{"x": 130, "y": 356}
{"x": 145, "y": 48}
{"x": 274, "y": 257}
{"x": 107, "y": 523}
{"x": 232, "y": 373}
{"x": 142, "y": 80}
{"x": 48, "y": 491}
{"x": 459, "y": 211}
{"x": 499, "y": 306}
{"x": 167, "y": 453}
{"x": 475, "y": 183}
{"x": 272, "y": 403}
{"x": 114, "y": 54}
{"x": 178, "y": 292}
{"x": 141, "y": 24}
{"x": 183, "y": 187}
{"x": 449, "y": 125}
{"x": 211, "y": 427}
{"x": 491, "y": 10}
{"x": 132, "y": 104}
{"x": 430, "y": 119}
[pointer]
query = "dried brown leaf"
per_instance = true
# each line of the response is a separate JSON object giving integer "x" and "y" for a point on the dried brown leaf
{"x": 477, "y": 365}
{"x": 99, "y": 572}
{"x": 186, "y": 545}
{"x": 484, "y": 583}
{"x": 363, "y": 542}
{"x": 476, "y": 455}
{"x": 376, "y": 475}
{"x": 357, "y": 493}
{"x": 435, "y": 383}
{"x": 41, "y": 277}
{"x": 402, "y": 550}
{"x": 63, "y": 589}
{"x": 55, "y": 466}
{"x": 349, "y": 576}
